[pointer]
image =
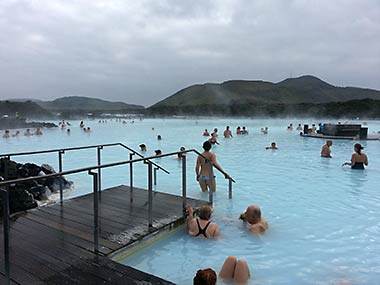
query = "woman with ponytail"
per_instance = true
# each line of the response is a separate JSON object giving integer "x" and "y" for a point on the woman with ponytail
{"x": 358, "y": 159}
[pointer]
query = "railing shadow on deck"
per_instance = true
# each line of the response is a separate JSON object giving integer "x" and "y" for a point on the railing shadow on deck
{"x": 95, "y": 172}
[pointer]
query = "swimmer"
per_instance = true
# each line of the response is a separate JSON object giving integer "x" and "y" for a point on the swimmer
{"x": 203, "y": 172}
{"x": 272, "y": 146}
{"x": 205, "y": 276}
{"x": 238, "y": 131}
{"x": 81, "y": 125}
{"x": 158, "y": 152}
{"x": 326, "y": 151}
{"x": 180, "y": 155}
{"x": 358, "y": 159}
{"x": 142, "y": 147}
{"x": 206, "y": 133}
{"x": 290, "y": 127}
{"x": 88, "y": 130}
{"x": 244, "y": 131}
{"x": 235, "y": 270}
{"x": 215, "y": 133}
{"x": 227, "y": 132}
{"x": 252, "y": 216}
{"x": 38, "y": 132}
{"x": 16, "y": 134}
{"x": 299, "y": 127}
{"x": 232, "y": 269}
{"x": 28, "y": 133}
{"x": 159, "y": 137}
{"x": 264, "y": 130}
{"x": 202, "y": 226}
{"x": 6, "y": 134}
{"x": 213, "y": 140}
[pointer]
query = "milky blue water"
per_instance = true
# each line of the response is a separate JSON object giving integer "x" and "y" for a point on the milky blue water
{"x": 324, "y": 218}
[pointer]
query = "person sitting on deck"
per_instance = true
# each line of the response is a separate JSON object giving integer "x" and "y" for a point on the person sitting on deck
{"x": 252, "y": 216}
{"x": 202, "y": 226}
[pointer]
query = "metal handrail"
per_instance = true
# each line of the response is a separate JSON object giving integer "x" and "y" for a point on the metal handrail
{"x": 61, "y": 151}
{"x": 79, "y": 148}
{"x": 145, "y": 159}
{"x": 96, "y": 192}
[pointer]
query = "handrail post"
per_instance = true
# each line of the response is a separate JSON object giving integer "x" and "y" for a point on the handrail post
{"x": 96, "y": 210}
{"x": 155, "y": 176}
{"x": 99, "y": 148}
{"x": 131, "y": 177}
{"x": 5, "y": 198}
{"x": 211, "y": 192}
{"x": 229, "y": 188}
{"x": 150, "y": 194}
{"x": 60, "y": 152}
{"x": 7, "y": 159}
{"x": 183, "y": 156}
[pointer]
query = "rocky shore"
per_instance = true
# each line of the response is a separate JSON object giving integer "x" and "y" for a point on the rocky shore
{"x": 18, "y": 123}
{"x": 24, "y": 196}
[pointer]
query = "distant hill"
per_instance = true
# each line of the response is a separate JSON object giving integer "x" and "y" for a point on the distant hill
{"x": 306, "y": 95}
{"x": 27, "y": 109}
{"x": 77, "y": 103}
{"x": 304, "y": 89}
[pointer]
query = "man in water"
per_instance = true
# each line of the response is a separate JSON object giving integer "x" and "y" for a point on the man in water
{"x": 272, "y": 146}
{"x": 142, "y": 147}
{"x": 252, "y": 216}
{"x": 326, "y": 151}
{"x": 227, "y": 132}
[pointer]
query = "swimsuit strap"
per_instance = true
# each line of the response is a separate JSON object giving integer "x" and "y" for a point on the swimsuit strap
{"x": 202, "y": 231}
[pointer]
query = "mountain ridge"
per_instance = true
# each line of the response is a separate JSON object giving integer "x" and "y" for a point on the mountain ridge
{"x": 303, "y": 89}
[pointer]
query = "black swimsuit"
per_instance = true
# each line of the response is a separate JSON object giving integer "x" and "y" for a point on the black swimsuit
{"x": 202, "y": 231}
{"x": 358, "y": 165}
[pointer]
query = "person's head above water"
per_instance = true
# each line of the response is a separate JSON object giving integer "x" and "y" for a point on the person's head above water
{"x": 206, "y": 145}
{"x": 253, "y": 214}
{"x": 205, "y": 212}
{"x": 205, "y": 277}
{"x": 358, "y": 148}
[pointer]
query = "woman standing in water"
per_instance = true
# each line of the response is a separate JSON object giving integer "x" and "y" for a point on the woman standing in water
{"x": 358, "y": 159}
{"x": 203, "y": 169}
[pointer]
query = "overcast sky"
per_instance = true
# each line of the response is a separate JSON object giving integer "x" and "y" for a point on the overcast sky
{"x": 142, "y": 51}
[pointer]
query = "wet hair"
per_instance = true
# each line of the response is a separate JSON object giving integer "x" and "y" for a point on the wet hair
{"x": 205, "y": 277}
{"x": 205, "y": 212}
{"x": 358, "y": 147}
{"x": 206, "y": 145}
{"x": 256, "y": 213}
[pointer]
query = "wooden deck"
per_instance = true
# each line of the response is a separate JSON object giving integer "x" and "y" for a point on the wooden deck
{"x": 55, "y": 245}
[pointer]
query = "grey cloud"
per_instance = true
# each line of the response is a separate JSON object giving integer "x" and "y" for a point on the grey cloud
{"x": 143, "y": 51}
